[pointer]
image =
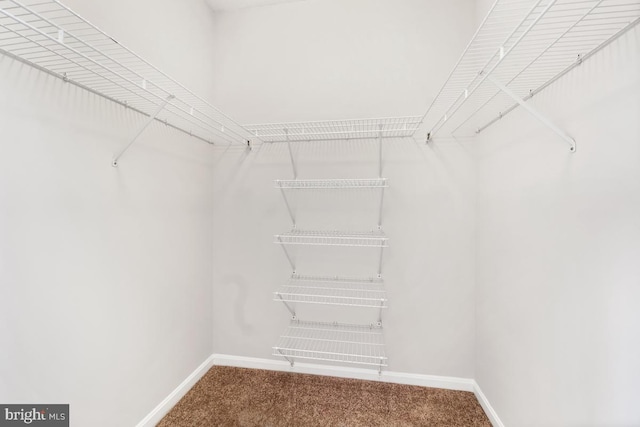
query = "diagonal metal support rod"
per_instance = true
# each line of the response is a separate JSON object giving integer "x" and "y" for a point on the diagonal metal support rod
{"x": 379, "y": 151}
{"x": 291, "y": 360}
{"x": 380, "y": 209}
{"x": 543, "y": 119}
{"x": 286, "y": 304}
{"x": 286, "y": 202}
{"x": 293, "y": 162}
{"x": 284, "y": 248}
{"x": 380, "y": 262}
{"x": 141, "y": 129}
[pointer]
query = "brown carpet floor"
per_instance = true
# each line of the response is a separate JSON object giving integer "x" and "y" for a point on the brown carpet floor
{"x": 249, "y": 397}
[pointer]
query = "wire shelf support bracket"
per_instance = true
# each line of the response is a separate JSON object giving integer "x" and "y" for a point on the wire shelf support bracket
{"x": 535, "y": 113}
{"x": 144, "y": 125}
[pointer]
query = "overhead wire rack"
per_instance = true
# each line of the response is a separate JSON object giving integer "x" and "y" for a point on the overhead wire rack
{"x": 522, "y": 47}
{"x": 389, "y": 127}
{"x": 356, "y": 292}
{"x": 51, "y": 37}
{"x": 332, "y": 342}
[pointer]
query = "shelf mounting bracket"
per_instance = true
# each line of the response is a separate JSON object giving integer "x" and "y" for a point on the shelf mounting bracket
{"x": 286, "y": 202}
{"x": 293, "y": 162}
{"x": 286, "y": 304}
{"x": 284, "y": 248}
{"x": 141, "y": 129}
{"x": 543, "y": 119}
{"x": 380, "y": 151}
{"x": 286, "y": 357}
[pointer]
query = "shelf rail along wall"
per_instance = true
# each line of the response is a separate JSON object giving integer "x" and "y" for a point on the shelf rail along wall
{"x": 520, "y": 48}
{"x": 52, "y": 38}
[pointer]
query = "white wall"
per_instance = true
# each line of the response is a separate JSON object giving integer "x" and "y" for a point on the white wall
{"x": 328, "y": 59}
{"x": 558, "y": 248}
{"x": 334, "y": 59}
{"x": 105, "y": 274}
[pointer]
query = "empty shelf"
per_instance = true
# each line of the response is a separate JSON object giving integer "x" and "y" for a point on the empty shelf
{"x": 391, "y": 127}
{"x": 54, "y": 39}
{"x": 374, "y": 239}
{"x": 320, "y": 184}
{"x": 525, "y": 46}
{"x": 333, "y": 291}
{"x": 358, "y": 344}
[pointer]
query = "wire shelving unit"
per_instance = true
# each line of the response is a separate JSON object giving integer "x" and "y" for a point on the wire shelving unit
{"x": 343, "y": 291}
{"x": 332, "y": 184}
{"x": 521, "y": 47}
{"x": 49, "y": 36}
{"x": 333, "y": 342}
{"x": 389, "y": 127}
{"x": 372, "y": 239}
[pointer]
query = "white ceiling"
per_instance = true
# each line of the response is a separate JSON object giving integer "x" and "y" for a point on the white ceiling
{"x": 220, "y": 5}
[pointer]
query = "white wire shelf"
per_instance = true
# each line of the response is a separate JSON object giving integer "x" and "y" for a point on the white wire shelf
{"x": 373, "y": 239}
{"x": 333, "y": 291}
{"x": 322, "y": 184}
{"x": 357, "y": 344}
{"x": 525, "y": 45}
{"x": 390, "y": 127}
{"x": 52, "y": 38}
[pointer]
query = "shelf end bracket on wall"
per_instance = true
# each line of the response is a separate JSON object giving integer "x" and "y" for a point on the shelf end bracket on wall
{"x": 141, "y": 129}
{"x": 543, "y": 119}
{"x": 285, "y": 356}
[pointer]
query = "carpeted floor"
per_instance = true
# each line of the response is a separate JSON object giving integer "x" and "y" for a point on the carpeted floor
{"x": 249, "y": 397}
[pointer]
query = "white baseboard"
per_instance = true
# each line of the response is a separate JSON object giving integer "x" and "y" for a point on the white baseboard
{"x": 435, "y": 381}
{"x": 174, "y": 397}
{"x": 450, "y": 383}
{"x": 488, "y": 409}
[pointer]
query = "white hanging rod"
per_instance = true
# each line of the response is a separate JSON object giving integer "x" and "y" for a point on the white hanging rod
{"x": 525, "y": 50}
{"x": 315, "y": 184}
{"x": 53, "y": 38}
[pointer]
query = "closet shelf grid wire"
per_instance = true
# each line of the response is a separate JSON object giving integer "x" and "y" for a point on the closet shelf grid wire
{"x": 389, "y": 127}
{"x": 373, "y": 239}
{"x": 333, "y": 291}
{"x": 51, "y": 37}
{"x": 523, "y": 46}
{"x": 333, "y": 342}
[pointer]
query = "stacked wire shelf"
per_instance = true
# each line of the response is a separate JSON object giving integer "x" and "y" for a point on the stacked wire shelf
{"x": 373, "y": 239}
{"x": 333, "y": 342}
{"x": 355, "y": 292}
